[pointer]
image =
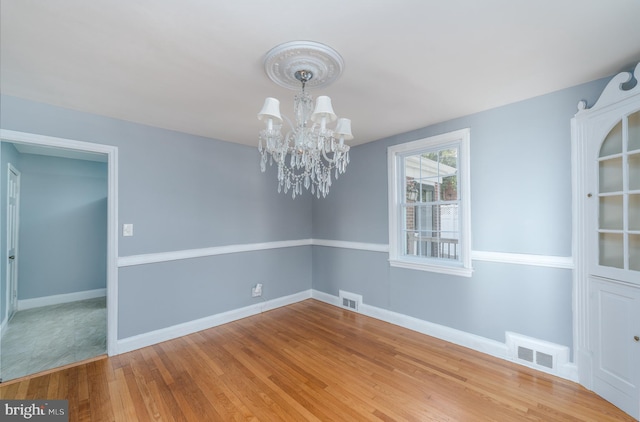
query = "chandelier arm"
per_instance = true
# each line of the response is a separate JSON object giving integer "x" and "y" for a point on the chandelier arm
{"x": 289, "y": 123}
{"x": 331, "y": 161}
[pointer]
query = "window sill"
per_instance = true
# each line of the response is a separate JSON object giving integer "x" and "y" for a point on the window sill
{"x": 442, "y": 269}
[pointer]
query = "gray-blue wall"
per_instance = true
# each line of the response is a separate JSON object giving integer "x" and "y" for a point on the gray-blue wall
{"x": 520, "y": 203}
{"x": 186, "y": 192}
{"x": 63, "y": 226}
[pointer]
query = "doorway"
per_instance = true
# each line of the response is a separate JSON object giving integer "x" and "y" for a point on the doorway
{"x": 70, "y": 148}
{"x": 13, "y": 212}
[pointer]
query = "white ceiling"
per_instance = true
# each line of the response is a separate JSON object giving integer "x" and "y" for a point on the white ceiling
{"x": 196, "y": 66}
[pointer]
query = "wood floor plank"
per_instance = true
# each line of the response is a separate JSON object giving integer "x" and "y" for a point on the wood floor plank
{"x": 311, "y": 362}
{"x": 97, "y": 377}
{"x": 138, "y": 397}
{"x": 121, "y": 402}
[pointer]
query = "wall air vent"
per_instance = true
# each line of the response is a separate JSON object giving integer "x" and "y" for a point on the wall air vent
{"x": 535, "y": 353}
{"x": 525, "y": 354}
{"x": 544, "y": 359}
{"x": 350, "y": 301}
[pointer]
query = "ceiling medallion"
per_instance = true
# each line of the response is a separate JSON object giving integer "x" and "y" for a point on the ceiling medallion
{"x": 283, "y": 61}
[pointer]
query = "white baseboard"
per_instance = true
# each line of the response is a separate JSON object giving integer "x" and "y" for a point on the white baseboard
{"x": 478, "y": 343}
{"x": 461, "y": 338}
{"x": 158, "y": 336}
{"x": 58, "y": 299}
{"x": 472, "y": 341}
{"x": 584, "y": 365}
{"x": 569, "y": 371}
{"x": 326, "y": 298}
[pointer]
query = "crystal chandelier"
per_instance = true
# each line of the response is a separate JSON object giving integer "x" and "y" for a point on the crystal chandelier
{"x": 310, "y": 152}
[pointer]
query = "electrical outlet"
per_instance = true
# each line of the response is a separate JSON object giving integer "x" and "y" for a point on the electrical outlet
{"x": 127, "y": 230}
{"x": 256, "y": 290}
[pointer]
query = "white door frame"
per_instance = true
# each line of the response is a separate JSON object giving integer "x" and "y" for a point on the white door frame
{"x": 12, "y": 281}
{"x": 112, "y": 214}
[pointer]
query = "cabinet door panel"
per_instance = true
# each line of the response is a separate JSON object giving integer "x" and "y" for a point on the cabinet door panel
{"x": 616, "y": 320}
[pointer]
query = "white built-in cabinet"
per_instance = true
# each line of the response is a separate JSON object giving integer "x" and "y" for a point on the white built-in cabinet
{"x": 606, "y": 176}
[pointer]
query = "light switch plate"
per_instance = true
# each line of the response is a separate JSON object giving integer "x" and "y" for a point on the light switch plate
{"x": 127, "y": 230}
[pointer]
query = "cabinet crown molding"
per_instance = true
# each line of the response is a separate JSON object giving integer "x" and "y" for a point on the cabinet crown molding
{"x": 614, "y": 91}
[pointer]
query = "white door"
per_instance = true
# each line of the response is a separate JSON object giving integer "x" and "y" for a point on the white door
{"x": 13, "y": 213}
{"x": 614, "y": 258}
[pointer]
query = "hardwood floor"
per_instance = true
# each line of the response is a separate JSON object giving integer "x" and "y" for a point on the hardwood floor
{"x": 311, "y": 362}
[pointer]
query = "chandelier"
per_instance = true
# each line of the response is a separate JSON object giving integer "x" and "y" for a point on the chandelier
{"x": 309, "y": 152}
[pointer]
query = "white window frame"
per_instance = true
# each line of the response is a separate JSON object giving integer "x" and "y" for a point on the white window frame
{"x": 395, "y": 155}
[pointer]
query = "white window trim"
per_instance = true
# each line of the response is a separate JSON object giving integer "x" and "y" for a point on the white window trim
{"x": 396, "y": 259}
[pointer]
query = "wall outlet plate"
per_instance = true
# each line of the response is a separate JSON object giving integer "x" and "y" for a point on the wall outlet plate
{"x": 127, "y": 230}
{"x": 256, "y": 290}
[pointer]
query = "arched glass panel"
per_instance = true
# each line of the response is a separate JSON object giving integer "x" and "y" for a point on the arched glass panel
{"x": 619, "y": 196}
{"x": 613, "y": 142}
{"x": 634, "y": 131}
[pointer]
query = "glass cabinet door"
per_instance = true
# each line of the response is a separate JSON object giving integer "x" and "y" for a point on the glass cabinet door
{"x": 619, "y": 196}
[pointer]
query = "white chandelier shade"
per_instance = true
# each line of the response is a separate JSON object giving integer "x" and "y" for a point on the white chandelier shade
{"x": 270, "y": 112}
{"x": 309, "y": 153}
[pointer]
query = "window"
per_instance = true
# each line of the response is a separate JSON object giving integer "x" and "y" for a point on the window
{"x": 429, "y": 218}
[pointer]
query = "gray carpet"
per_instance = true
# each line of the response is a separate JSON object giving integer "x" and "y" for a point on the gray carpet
{"x": 51, "y": 336}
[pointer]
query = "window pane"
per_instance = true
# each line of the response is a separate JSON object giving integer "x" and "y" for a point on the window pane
{"x": 634, "y": 212}
{"x": 431, "y": 230}
{"x": 613, "y": 142}
{"x": 427, "y": 193}
{"x": 411, "y": 243}
{"x": 448, "y": 249}
{"x": 424, "y": 218}
{"x": 448, "y": 161}
{"x": 411, "y": 189}
{"x": 449, "y": 188}
{"x": 428, "y": 188}
{"x": 450, "y": 236}
{"x": 436, "y": 245}
{"x": 634, "y": 252}
{"x": 412, "y": 167}
{"x": 429, "y": 163}
{"x": 427, "y": 244}
{"x": 428, "y": 176}
{"x": 409, "y": 222}
{"x": 634, "y": 131}
{"x": 634, "y": 172}
{"x": 611, "y": 250}
{"x": 449, "y": 218}
{"x": 610, "y": 217}
{"x": 611, "y": 175}
{"x": 448, "y": 171}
